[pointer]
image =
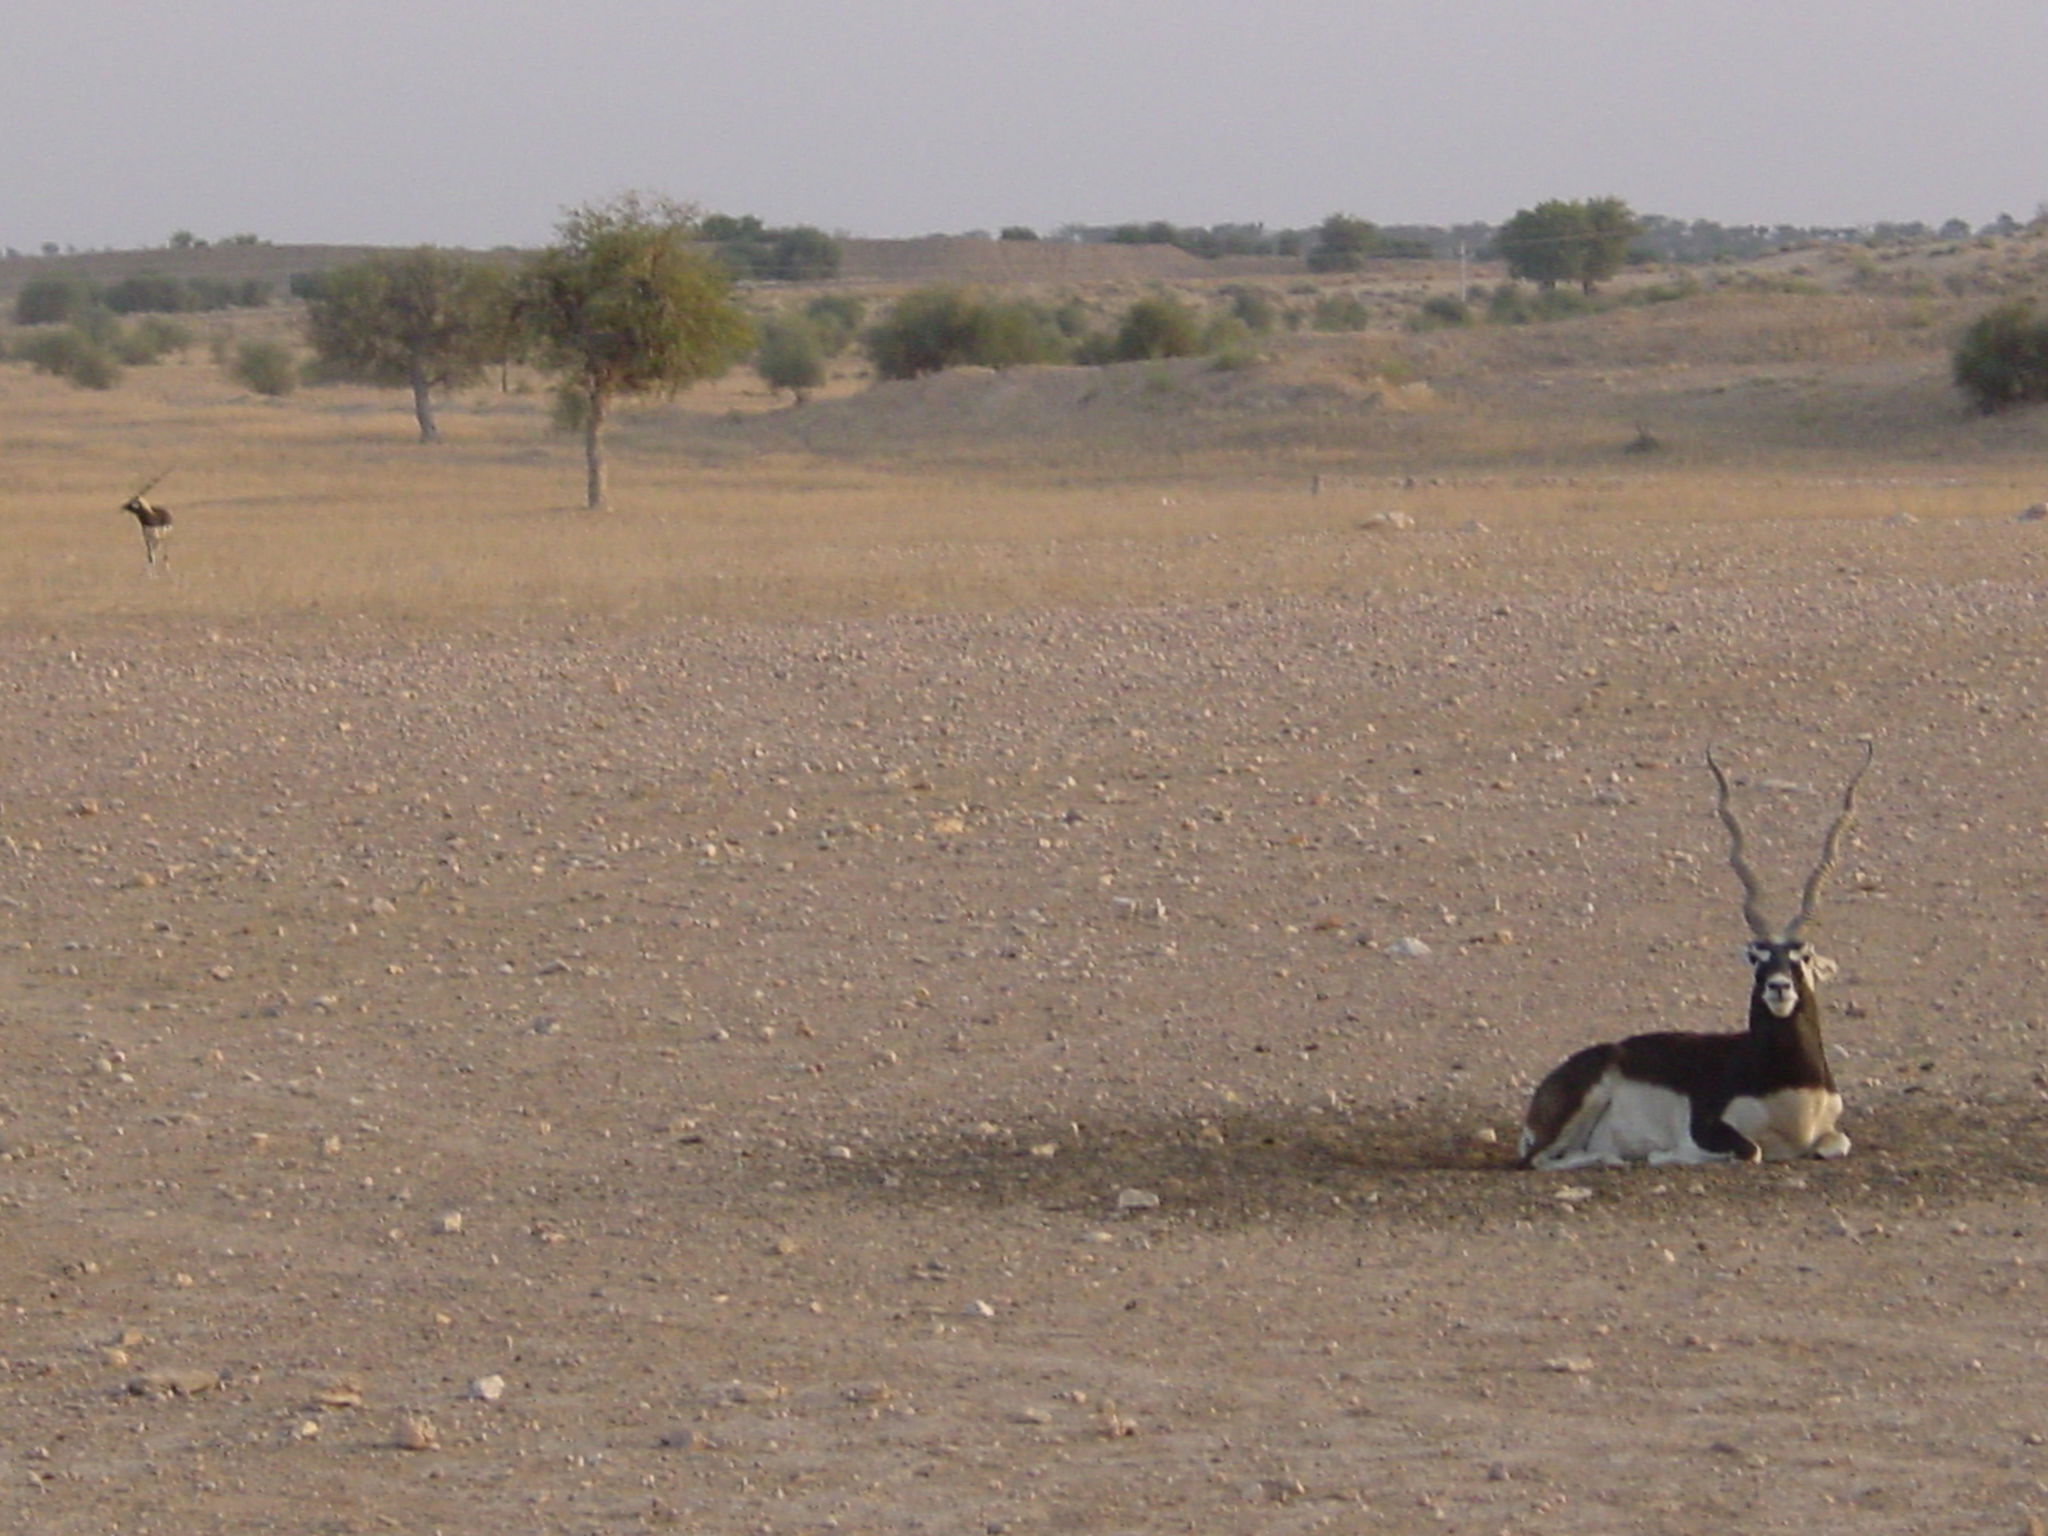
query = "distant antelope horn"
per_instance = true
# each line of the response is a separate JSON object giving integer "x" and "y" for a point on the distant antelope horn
{"x": 1809, "y": 900}
{"x": 1752, "y": 896}
{"x": 149, "y": 485}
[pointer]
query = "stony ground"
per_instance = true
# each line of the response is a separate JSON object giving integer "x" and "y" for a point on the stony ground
{"x": 972, "y": 1074}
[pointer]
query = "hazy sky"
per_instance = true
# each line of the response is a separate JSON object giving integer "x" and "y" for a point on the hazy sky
{"x": 476, "y": 122}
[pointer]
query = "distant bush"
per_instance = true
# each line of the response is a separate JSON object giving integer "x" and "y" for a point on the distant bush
{"x": 150, "y": 339}
{"x": 1442, "y": 311}
{"x": 931, "y": 329}
{"x": 752, "y": 250}
{"x": 52, "y": 300}
{"x": 146, "y": 293}
{"x": 1072, "y": 317}
{"x": 1230, "y": 343}
{"x": 267, "y": 367}
{"x": 1341, "y": 312}
{"x": 74, "y": 353}
{"x": 789, "y": 356}
{"x": 1255, "y": 307}
{"x": 59, "y": 300}
{"x": 836, "y": 318}
{"x": 95, "y": 368}
{"x": 2002, "y": 358}
{"x": 1159, "y": 326}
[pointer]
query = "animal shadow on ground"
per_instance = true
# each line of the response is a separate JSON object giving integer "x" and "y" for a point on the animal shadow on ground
{"x": 1414, "y": 1165}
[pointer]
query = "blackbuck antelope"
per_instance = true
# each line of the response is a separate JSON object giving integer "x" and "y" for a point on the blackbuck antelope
{"x": 1681, "y": 1097}
{"x": 155, "y": 521}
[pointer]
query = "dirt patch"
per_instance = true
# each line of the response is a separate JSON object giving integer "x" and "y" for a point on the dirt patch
{"x": 763, "y": 1076}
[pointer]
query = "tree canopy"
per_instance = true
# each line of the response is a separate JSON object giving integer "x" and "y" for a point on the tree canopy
{"x": 1559, "y": 242}
{"x": 626, "y": 303}
{"x": 427, "y": 319}
{"x": 1343, "y": 244}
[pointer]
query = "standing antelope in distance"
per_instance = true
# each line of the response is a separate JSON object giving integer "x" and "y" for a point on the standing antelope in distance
{"x": 155, "y": 521}
{"x": 1683, "y": 1097}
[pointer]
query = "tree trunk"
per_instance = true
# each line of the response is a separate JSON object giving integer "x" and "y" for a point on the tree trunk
{"x": 593, "y": 449}
{"x": 423, "y": 405}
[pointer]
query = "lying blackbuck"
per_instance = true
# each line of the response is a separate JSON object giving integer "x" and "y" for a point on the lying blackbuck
{"x": 1681, "y": 1097}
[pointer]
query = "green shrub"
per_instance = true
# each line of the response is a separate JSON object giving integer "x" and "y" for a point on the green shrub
{"x": 835, "y": 318}
{"x": 1015, "y": 332}
{"x": 1159, "y": 326}
{"x": 150, "y": 339}
{"x": 95, "y": 368}
{"x": 1230, "y": 343}
{"x": 790, "y": 356}
{"x": 74, "y": 353}
{"x": 1255, "y": 307}
{"x": 146, "y": 293}
{"x": 945, "y": 327}
{"x": 1341, "y": 312}
{"x": 2001, "y": 359}
{"x": 52, "y": 300}
{"x": 267, "y": 367}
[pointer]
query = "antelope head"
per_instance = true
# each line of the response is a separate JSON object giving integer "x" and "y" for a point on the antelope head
{"x": 135, "y": 502}
{"x": 1787, "y": 967}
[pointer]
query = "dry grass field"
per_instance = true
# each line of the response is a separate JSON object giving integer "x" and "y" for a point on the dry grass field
{"x": 865, "y": 989}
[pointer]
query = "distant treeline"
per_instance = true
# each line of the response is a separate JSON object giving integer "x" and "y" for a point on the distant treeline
{"x": 1658, "y": 238}
{"x": 65, "y": 298}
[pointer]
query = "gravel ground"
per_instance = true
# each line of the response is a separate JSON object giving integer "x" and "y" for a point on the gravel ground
{"x": 1046, "y": 1071}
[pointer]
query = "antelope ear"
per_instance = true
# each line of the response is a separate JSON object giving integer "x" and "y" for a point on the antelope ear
{"x": 1821, "y": 968}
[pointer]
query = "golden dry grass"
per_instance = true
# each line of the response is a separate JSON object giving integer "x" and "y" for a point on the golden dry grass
{"x": 975, "y": 494}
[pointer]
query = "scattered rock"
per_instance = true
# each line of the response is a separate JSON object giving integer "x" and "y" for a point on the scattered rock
{"x": 743, "y": 1394}
{"x": 173, "y": 1383}
{"x": 341, "y": 1393}
{"x": 416, "y": 1432}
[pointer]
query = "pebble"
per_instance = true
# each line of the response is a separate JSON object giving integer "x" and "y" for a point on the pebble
{"x": 416, "y": 1432}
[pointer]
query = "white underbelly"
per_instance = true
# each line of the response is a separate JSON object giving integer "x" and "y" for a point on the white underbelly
{"x": 1643, "y": 1123}
{"x": 1791, "y": 1123}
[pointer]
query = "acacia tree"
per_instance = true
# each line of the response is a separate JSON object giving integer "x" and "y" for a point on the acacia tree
{"x": 1343, "y": 244}
{"x": 1556, "y": 242}
{"x": 425, "y": 319}
{"x": 1544, "y": 244}
{"x": 1611, "y": 227}
{"x": 624, "y": 303}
